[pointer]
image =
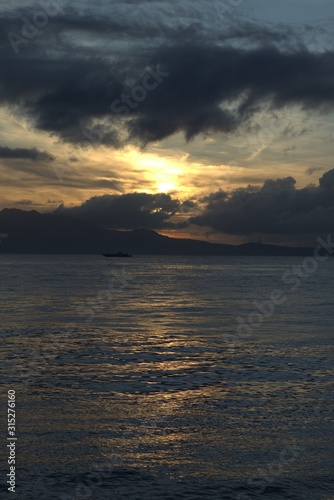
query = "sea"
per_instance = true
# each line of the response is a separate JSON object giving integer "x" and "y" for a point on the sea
{"x": 167, "y": 377}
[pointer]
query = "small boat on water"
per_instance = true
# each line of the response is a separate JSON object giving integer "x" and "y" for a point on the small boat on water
{"x": 118, "y": 254}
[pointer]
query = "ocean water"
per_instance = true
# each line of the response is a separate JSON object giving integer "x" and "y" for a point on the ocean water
{"x": 133, "y": 379}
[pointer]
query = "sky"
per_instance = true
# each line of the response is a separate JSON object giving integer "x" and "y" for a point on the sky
{"x": 205, "y": 119}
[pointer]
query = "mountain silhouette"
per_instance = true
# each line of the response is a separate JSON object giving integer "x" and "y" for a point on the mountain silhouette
{"x": 33, "y": 233}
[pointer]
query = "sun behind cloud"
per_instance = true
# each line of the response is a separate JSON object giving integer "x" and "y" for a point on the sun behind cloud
{"x": 165, "y": 173}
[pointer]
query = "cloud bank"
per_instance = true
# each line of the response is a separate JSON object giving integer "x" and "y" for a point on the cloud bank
{"x": 275, "y": 208}
{"x": 127, "y": 211}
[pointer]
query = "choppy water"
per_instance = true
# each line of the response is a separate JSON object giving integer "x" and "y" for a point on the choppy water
{"x": 149, "y": 396}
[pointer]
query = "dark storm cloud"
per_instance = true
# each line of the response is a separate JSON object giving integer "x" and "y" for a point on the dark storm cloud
{"x": 327, "y": 180}
{"x": 204, "y": 82}
{"x": 277, "y": 207}
{"x": 67, "y": 89}
{"x": 128, "y": 211}
{"x": 25, "y": 154}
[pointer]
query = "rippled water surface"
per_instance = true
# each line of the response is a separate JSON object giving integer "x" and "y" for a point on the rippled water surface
{"x": 133, "y": 381}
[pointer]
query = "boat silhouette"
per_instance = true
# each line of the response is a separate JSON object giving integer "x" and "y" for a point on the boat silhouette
{"x": 118, "y": 254}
